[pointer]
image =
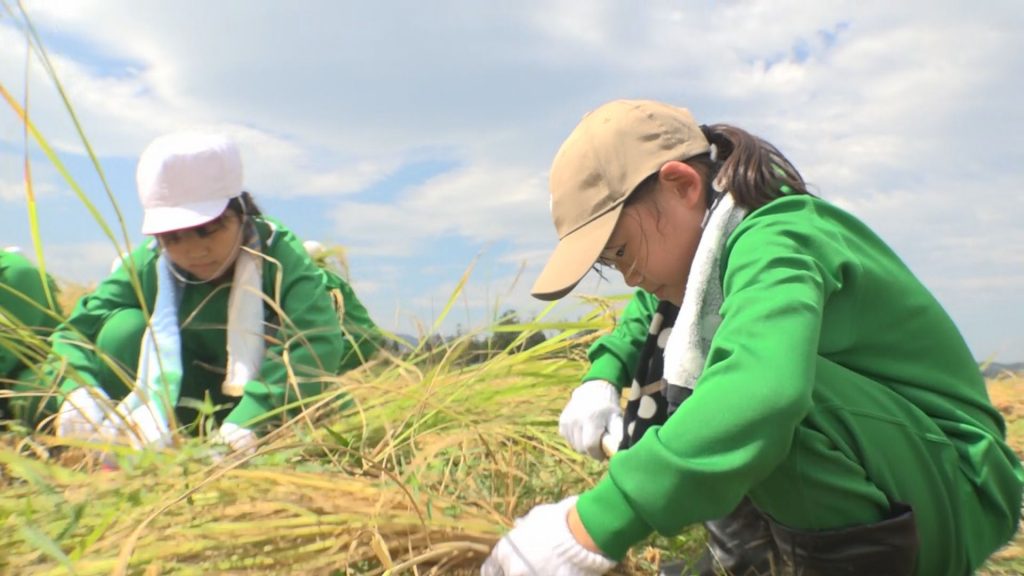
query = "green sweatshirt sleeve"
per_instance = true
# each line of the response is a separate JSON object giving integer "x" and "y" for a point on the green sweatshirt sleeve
{"x": 756, "y": 387}
{"x": 23, "y": 303}
{"x": 613, "y": 357}
{"x": 74, "y": 341}
{"x": 309, "y": 344}
{"x": 362, "y": 338}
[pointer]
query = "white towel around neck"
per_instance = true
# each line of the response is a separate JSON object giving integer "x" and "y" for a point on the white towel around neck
{"x": 699, "y": 317}
{"x": 158, "y": 382}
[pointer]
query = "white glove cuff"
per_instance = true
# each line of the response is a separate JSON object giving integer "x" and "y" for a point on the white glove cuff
{"x": 82, "y": 412}
{"x": 568, "y": 548}
{"x": 144, "y": 425}
{"x": 237, "y": 438}
{"x": 85, "y": 399}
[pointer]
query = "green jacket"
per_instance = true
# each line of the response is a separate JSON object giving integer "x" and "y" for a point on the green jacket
{"x": 613, "y": 357}
{"x": 302, "y": 324}
{"x": 802, "y": 281}
{"x": 23, "y": 307}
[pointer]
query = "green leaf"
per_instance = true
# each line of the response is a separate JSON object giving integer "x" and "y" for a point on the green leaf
{"x": 76, "y": 516}
{"x": 44, "y": 544}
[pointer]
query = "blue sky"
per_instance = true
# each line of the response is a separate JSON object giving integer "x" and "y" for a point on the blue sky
{"x": 419, "y": 134}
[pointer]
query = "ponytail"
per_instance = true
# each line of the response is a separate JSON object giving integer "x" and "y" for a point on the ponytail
{"x": 246, "y": 209}
{"x": 243, "y": 204}
{"x": 751, "y": 169}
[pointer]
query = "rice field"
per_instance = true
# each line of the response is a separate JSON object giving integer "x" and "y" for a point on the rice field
{"x": 420, "y": 474}
{"x": 420, "y": 470}
{"x": 429, "y": 464}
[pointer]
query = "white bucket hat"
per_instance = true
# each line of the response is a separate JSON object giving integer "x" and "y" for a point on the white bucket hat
{"x": 186, "y": 179}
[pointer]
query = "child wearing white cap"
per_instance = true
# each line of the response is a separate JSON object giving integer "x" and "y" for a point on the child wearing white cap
{"x": 27, "y": 317}
{"x": 808, "y": 370}
{"x": 223, "y": 304}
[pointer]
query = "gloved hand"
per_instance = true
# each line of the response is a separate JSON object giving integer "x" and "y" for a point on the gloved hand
{"x": 142, "y": 425}
{"x": 593, "y": 410}
{"x": 82, "y": 414}
{"x": 540, "y": 544}
{"x": 240, "y": 440}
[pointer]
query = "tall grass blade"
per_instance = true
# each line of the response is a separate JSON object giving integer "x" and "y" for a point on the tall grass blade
{"x": 45, "y": 544}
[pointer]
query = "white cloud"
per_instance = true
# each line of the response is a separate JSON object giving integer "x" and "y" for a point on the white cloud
{"x": 483, "y": 202}
{"x": 122, "y": 110}
{"x": 11, "y": 191}
{"x": 15, "y": 192}
{"x": 906, "y": 113}
{"x": 68, "y": 263}
{"x": 12, "y": 180}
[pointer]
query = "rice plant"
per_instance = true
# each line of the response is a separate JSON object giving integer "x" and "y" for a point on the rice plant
{"x": 423, "y": 468}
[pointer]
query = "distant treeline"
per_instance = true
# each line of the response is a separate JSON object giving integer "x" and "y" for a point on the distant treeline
{"x": 996, "y": 369}
{"x": 474, "y": 348}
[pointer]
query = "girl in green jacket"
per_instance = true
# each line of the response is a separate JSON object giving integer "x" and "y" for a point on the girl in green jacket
{"x": 223, "y": 305}
{"x": 808, "y": 370}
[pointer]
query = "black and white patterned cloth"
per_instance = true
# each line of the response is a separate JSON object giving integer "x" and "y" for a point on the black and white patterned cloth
{"x": 646, "y": 402}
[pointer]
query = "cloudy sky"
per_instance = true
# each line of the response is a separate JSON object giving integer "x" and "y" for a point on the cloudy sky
{"x": 418, "y": 134}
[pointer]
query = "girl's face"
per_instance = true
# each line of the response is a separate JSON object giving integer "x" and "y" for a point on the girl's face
{"x": 655, "y": 240}
{"x": 206, "y": 251}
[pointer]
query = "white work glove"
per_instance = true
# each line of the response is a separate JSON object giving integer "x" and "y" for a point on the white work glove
{"x": 82, "y": 414}
{"x": 592, "y": 411}
{"x": 240, "y": 440}
{"x": 142, "y": 425}
{"x": 540, "y": 544}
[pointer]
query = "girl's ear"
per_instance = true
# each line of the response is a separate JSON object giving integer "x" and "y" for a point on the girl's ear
{"x": 682, "y": 180}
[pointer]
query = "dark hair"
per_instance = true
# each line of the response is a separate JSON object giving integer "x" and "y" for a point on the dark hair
{"x": 751, "y": 169}
{"x": 244, "y": 204}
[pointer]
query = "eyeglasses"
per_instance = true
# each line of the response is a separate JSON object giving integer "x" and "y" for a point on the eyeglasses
{"x": 201, "y": 232}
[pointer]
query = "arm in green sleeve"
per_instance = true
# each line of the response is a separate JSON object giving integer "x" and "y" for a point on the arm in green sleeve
{"x": 362, "y": 339}
{"x": 23, "y": 303}
{"x": 73, "y": 342}
{"x": 613, "y": 357}
{"x": 310, "y": 336}
{"x": 24, "y": 295}
{"x": 756, "y": 388}
{"x": 10, "y": 348}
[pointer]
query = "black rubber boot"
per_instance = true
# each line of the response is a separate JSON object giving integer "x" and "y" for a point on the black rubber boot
{"x": 886, "y": 548}
{"x": 739, "y": 544}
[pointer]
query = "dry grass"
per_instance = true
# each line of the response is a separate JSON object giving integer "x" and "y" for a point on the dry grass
{"x": 70, "y": 293}
{"x": 402, "y": 482}
{"x": 420, "y": 474}
{"x": 1007, "y": 393}
{"x": 257, "y": 520}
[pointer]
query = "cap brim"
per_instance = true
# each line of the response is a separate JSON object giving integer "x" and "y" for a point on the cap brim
{"x": 574, "y": 256}
{"x": 160, "y": 219}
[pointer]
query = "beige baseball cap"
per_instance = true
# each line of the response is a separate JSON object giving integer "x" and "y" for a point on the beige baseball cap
{"x": 609, "y": 153}
{"x": 186, "y": 179}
